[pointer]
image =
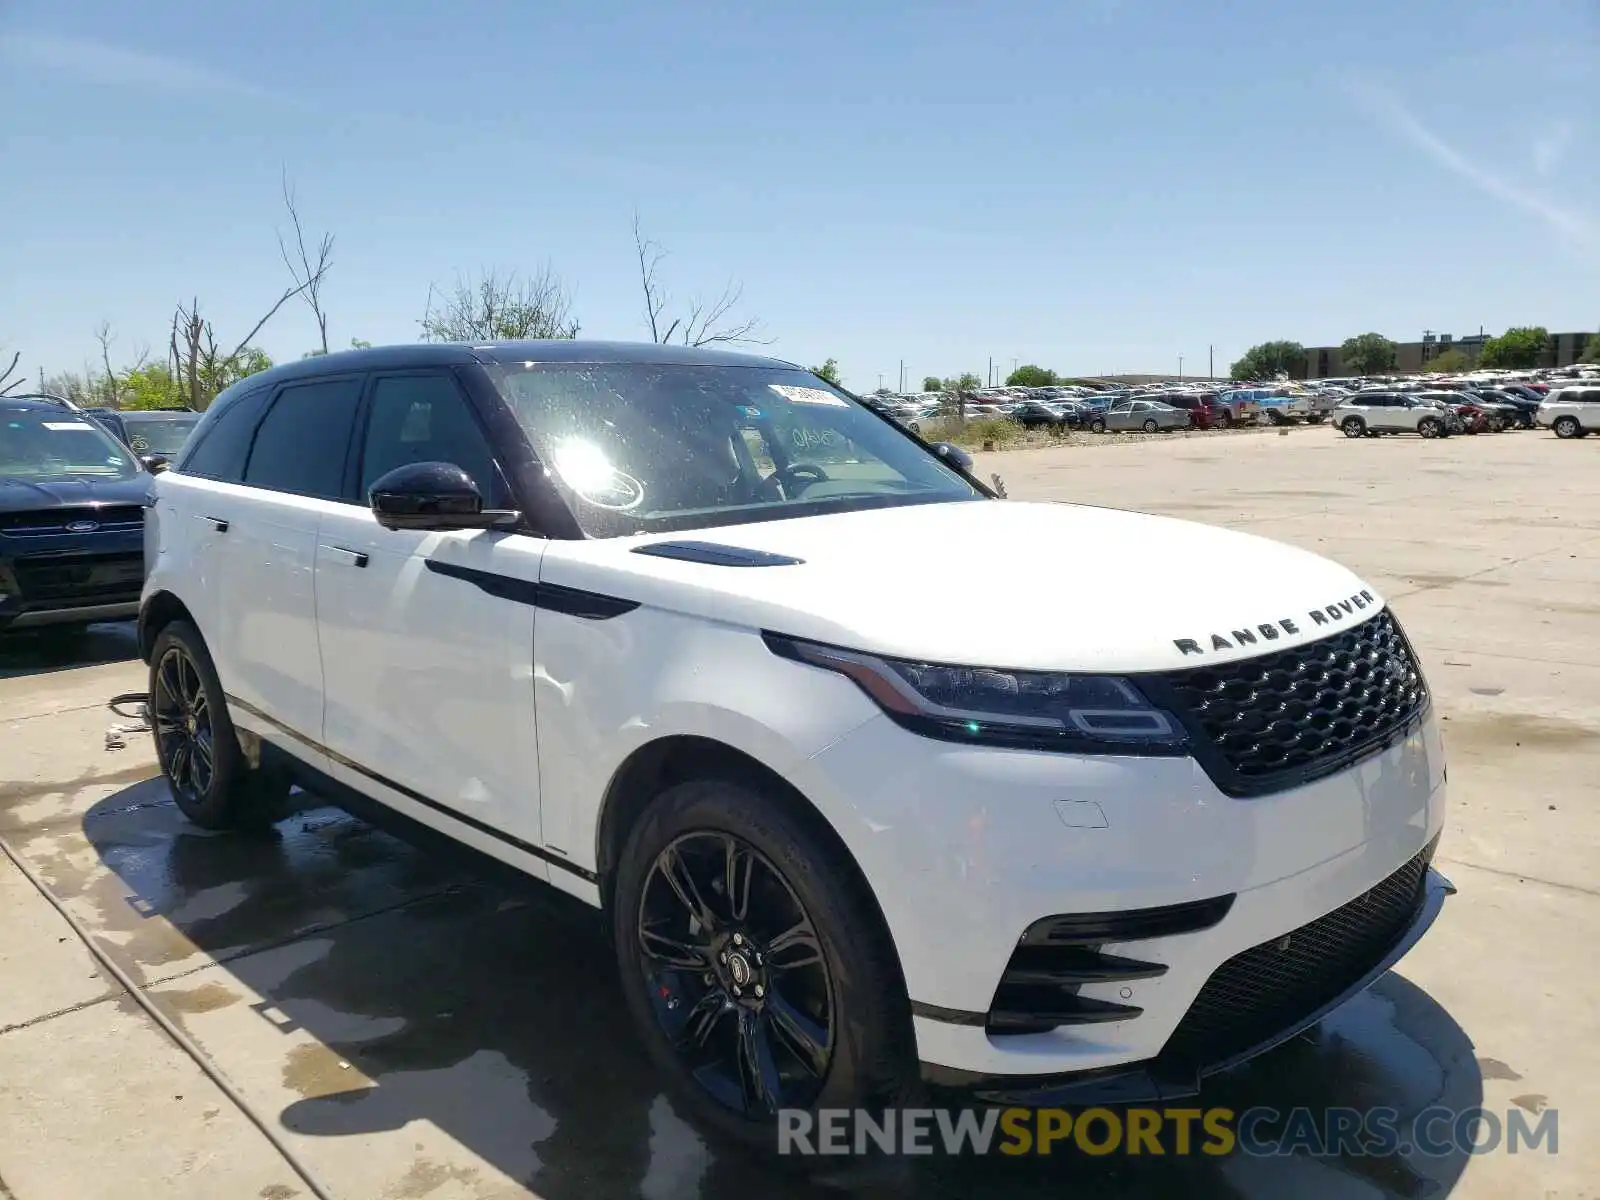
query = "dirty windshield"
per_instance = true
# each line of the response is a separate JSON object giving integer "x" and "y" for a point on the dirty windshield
{"x": 644, "y": 447}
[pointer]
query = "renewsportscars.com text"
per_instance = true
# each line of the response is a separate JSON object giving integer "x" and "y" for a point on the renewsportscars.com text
{"x": 1214, "y": 1132}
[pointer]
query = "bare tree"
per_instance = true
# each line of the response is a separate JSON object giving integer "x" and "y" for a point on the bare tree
{"x": 6, "y": 382}
{"x": 307, "y": 272}
{"x": 701, "y": 323}
{"x": 113, "y": 393}
{"x": 497, "y": 307}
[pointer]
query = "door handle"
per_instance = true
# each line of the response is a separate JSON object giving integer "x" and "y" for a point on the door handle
{"x": 217, "y": 523}
{"x": 354, "y": 557}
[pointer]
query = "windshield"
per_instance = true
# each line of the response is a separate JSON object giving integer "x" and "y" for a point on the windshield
{"x": 42, "y": 446}
{"x": 163, "y": 435}
{"x": 647, "y": 447}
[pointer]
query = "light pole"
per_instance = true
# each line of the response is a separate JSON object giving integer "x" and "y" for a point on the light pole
{"x": 1180, "y": 368}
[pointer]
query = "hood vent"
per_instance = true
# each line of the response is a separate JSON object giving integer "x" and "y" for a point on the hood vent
{"x": 714, "y": 555}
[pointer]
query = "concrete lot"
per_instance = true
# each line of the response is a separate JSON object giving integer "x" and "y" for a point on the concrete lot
{"x": 414, "y": 1030}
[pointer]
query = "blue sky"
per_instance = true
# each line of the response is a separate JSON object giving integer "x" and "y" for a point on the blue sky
{"x": 1096, "y": 185}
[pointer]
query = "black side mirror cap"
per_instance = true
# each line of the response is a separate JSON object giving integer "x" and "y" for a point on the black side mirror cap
{"x": 433, "y": 496}
{"x": 954, "y": 454}
{"x": 154, "y": 463}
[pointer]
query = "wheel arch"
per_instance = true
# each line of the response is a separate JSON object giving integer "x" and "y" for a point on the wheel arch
{"x": 657, "y": 765}
{"x": 159, "y": 610}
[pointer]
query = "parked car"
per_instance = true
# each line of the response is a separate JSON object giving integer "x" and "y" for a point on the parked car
{"x": 1205, "y": 411}
{"x": 1035, "y": 414}
{"x": 1516, "y": 410}
{"x": 1572, "y": 412}
{"x": 1388, "y": 412}
{"x": 71, "y": 518}
{"x": 148, "y": 431}
{"x": 1149, "y": 416}
{"x": 544, "y": 598}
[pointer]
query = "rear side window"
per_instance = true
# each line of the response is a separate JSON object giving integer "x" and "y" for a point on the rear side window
{"x": 304, "y": 440}
{"x": 220, "y": 450}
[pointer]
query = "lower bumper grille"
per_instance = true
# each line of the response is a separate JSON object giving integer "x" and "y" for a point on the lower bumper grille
{"x": 1272, "y": 987}
{"x": 89, "y": 579}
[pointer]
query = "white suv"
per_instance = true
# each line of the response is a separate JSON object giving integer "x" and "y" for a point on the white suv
{"x": 1573, "y": 412}
{"x": 685, "y": 634}
{"x": 1389, "y": 412}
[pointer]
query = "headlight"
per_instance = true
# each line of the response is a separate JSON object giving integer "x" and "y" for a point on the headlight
{"x": 1040, "y": 710}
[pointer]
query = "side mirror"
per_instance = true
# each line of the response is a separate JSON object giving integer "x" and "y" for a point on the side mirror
{"x": 154, "y": 463}
{"x": 432, "y": 496}
{"x": 953, "y": 454}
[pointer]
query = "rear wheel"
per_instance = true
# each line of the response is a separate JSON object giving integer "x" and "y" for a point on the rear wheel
{"x": 1151, "y": 426}
{"x": 1224, "y": 418}
{"x": 1566, "y": 427}
{"x": 1097, "y": 426}
{"x": 1430, "y": 427}
{"x": 754, "y": 962}
{"x": 199, "y": 752}
{"x": 1353, "y": 427}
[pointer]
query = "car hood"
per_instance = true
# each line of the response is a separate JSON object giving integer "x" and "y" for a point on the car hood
{"x": 995, "y": 583}
{"x": 20, "y": 495}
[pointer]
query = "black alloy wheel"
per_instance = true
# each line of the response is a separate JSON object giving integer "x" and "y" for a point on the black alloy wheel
{"x": 180, "y": 713}
{"x": 737, "y": 978}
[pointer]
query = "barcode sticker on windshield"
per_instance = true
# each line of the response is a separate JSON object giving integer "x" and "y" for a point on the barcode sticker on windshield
{"x": 66, "y": 425}
{"x": 806, "y": 395}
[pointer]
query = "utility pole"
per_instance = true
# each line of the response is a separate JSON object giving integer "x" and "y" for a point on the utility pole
{"x": 989, "y": 381}
{"x": 1211, "y": 362}
{"x": 902, "y": 377}
{"x": 1180, "y": 368}
{"x": 880, "y": 381}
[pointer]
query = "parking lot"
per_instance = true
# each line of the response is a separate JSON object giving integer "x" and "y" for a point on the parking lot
{"x": 414, "y": 1029}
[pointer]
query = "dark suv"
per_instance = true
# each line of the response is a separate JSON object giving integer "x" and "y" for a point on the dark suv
{"x": 71, "y": 517}
{"x": 150, "y": 431}
{"x": 1205, "y": 411}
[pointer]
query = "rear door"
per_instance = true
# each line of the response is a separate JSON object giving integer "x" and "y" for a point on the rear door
{"x": 295, "y": 474}
{"x": 427, "y": 638}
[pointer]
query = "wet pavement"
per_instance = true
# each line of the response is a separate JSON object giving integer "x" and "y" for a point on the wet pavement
{"x": 418, "y": 1025}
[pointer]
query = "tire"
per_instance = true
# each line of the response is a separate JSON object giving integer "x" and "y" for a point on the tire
{"x": 210, "y": 779}
{"x": 1497, "y": 424}
{"x": 1525, "y": 421}
{"x": 1567, "y": 427}
{"x": 855, "y": 981}
{"x": 1097, "y": 426}
{"x": 1353, "y": 427}
{"x": 1430, "y": 427}
{"x": 1151, "y": 426}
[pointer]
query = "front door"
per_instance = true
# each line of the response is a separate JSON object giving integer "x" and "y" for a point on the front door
{"x": 427, "y": 638}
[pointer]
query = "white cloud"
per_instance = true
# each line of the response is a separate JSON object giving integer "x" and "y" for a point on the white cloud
{"x": 112, "y": 66}
{"x": 1389, "y": 111}
{"x": 1548, "y": 150}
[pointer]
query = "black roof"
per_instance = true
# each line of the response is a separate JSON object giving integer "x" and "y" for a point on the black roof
{"x": 432, "y": 354}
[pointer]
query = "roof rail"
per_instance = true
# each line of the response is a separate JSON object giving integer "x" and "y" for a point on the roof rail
{"x": 50, "y": 396}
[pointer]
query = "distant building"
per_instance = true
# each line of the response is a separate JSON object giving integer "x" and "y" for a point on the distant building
{"x": 1411, "y": 358}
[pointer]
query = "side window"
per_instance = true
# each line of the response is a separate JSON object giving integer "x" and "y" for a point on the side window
{"x": 220, "y": 452}
{"x": 304, "y": 440}
{"x": 425, "y": 418}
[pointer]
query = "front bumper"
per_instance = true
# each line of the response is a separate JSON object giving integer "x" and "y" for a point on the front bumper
{"x": 966, "y": 848}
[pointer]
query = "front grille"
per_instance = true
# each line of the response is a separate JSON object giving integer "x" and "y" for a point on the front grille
{"x": 1266, "y": 989}
{"x": 1266, "y": 724}
{"x": 53, "y": 522}
{"x": 81, "y": 579}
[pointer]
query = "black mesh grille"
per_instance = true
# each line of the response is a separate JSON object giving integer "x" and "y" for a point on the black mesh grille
{"x": 87, "y": 579}
{"x": 1268, "y": 988}
{"x": 1268, "y": 723}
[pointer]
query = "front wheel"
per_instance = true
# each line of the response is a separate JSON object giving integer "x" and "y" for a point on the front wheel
{"x": 1430, "y": 427}
{"x": 205, "y": 768}
{"x": 755, "y": 963}
{"x": 1224, "y": 419}
{"x": 1353, "y": 427}
{"x": 1151, "y": 426}
{"x": 1097, "y": 426}
{"x": 1566, "y": 427}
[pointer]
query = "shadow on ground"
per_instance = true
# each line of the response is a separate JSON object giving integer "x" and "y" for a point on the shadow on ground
{"x": 493, "y": 1014}
{"x": 45, "y": 650}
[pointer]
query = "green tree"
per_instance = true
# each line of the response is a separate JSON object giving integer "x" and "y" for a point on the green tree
{"x": 931, "y": 383}
{"x": 1029, "y": 375}
{"x": 1368, "y": 354}
{"x": 1270, "y": 359}
{"x": 151, "y": 386}
{"x": 1591, "y": 349}
{"x": 1448, "y": 362}
{"x": 1522, "y": 346}
{"x": 829, "y": 371}
{"x": 964, "y": 383}
{"x": 495, "y": 307}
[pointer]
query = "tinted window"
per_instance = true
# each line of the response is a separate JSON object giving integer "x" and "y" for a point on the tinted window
{"x": 302, "y": 444}
{"x": 424, "y": 418}
{"x": 159, "y": 434}
{"x": 221, "y": 447}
